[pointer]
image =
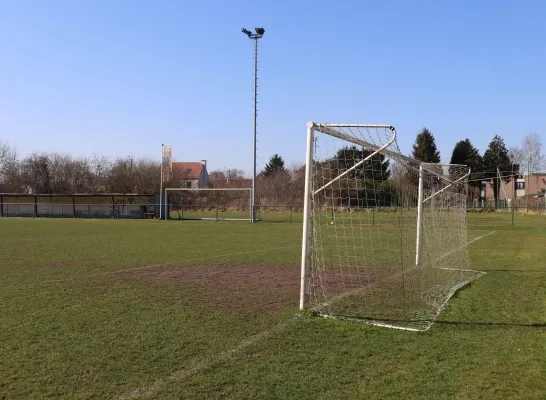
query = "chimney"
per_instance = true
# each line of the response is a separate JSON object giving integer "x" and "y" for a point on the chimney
{"x": 204, "y": 162}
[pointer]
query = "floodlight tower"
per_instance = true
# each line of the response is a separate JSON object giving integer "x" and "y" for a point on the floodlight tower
{"x": 254, "y": 36}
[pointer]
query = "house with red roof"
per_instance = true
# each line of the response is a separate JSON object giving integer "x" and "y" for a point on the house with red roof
{"x": 191, "y": 174}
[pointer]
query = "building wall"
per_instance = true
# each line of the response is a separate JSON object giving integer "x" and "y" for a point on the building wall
{"x": 531, "y": 186}
{"x": 536, "y": 183}
{"x": 203, "y": 178}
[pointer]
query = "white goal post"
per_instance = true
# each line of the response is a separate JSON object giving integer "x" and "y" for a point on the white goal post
{"x": 384, "y": 235}
{"x": 209, "y": 204}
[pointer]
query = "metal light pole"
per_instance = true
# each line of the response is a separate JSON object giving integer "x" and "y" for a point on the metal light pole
{"x": 254, "y": 36}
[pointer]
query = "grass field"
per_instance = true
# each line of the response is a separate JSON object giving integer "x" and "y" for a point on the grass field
{"x": 114, "y": 309}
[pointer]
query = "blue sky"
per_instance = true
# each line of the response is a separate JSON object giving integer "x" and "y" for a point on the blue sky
{"x": 121, "y": 77}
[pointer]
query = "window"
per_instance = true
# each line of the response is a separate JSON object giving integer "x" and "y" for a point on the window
{"x": 520, "y": 185}
{"x": 188, "y": 184}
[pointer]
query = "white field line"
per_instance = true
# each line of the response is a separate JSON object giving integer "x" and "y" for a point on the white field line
{"x": 467, "y": 243}
{"x": 199, "y": 365}
{"x": 480, "y": 237}
{"x": 120, "y": 271}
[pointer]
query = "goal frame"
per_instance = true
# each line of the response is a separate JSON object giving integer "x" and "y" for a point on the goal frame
{"x": 327, "y": 128}
{"x": 309, "y": 192}
{"x": 249, "y": 190}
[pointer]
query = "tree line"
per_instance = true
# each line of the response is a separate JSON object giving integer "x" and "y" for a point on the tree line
{"x": 54, "y": 173}
{"x": 499, "y": 163}
{"x": 277, "y": 184}
{"x": 375, "y": 181}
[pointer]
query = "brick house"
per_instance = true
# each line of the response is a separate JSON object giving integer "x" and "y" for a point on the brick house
{"x": 520, "y": 186}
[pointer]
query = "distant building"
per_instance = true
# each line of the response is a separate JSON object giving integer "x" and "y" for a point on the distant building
{"x": 192, "y": 175}
{"x": 519, "y": 186}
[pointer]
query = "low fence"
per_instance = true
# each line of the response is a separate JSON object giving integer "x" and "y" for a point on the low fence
{"x": 127, "y": 207}
{"x": 41, "y": 210}
{"x": 221, "y": 212}
{"x": 531, "y": 204}
{"x": 78, "y": 206}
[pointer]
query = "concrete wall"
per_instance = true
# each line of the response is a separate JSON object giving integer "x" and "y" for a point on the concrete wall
{"x": 107, "y": 206}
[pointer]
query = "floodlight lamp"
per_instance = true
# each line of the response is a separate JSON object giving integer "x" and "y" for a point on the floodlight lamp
{"x": 259, "y": 31}
{"x": 246, "y": 32}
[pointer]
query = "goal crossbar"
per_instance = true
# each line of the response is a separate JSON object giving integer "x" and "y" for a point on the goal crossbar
{"x": 340, "y": 135}
{"x": 462, "y": 178}
{"x": 330, "y": 129}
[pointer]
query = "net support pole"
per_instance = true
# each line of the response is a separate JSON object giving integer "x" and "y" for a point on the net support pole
{"x": 306, "y": 216}
{"x": 419, "y": 218}
{"x": 253, "y": 205}
{"x": 161, "y": 183}
{"x": 166, "y": 204}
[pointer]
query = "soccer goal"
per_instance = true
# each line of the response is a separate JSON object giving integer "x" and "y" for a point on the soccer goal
{"x": 384, "y": 235}
{"x": 208, "y": 204}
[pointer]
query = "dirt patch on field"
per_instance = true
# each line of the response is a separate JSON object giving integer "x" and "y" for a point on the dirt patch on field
{"x": 236, "y": 289}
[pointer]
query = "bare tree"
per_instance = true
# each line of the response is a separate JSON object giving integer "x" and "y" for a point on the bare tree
{"x": 297, "y": 183}
{"x": 100, "y": 168}
{"x": 35, "y": 174}
{"x": 517, "y": 155}
{"x": 532, "y": 144}
{"x": 529, "y": 155}
{"x": 121, "y": 176}
{"x": 275, "y": 188}
{"x": 9, "y": 169}
{"x": 82, "y": 179}
{"x": 7, "y": 156}
{"x": 60, "y": 173}
{"x": 146, "y": 173}
{"x": 217, "y": 175}
{"x": 234, "y": 173}
{"x": 227, "y": 174}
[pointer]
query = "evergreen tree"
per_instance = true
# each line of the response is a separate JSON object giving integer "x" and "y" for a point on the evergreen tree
{"x": 369, "y": 177}
{"x": 274, "y": 166}
{"x": 496, "y": 156}
{"x": 425, "y": 148}
{"x": 465, "y": 153}
{"x": 376, "y": 168}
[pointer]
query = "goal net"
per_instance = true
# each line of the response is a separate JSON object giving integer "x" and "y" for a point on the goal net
{"x": 384, "y": 237}
{"x": 208, "y": 204}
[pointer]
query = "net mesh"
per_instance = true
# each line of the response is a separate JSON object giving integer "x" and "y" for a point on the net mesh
{"x": 208, "y": 204}
{"x": 385, "y": 246}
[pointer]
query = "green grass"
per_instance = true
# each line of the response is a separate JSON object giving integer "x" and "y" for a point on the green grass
{"x": 209, "y": 310}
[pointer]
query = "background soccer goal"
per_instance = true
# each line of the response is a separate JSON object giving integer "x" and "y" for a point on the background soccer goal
{"x": 384, "y": 236}
{"x": 208, "y": 204}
